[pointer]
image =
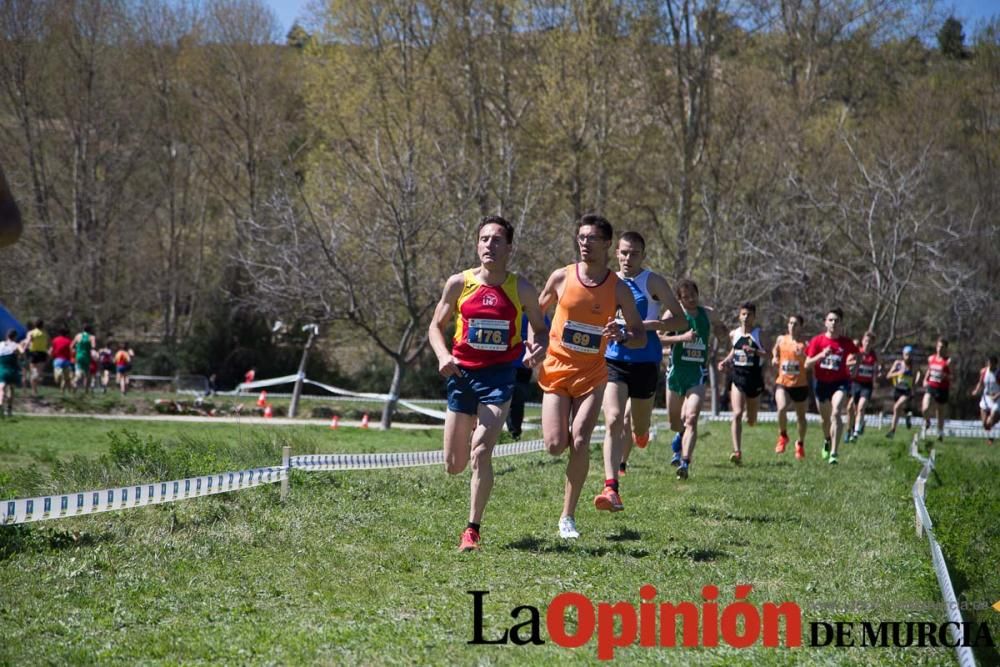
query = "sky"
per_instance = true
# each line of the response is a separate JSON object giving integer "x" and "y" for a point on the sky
{"x": 968, "y": 11}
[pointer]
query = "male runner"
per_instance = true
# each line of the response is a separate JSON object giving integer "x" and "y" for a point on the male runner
{"x": 937, "y": 381}
{"x": 866, "y": 369}
{"x": 747, "y": 357}
{"x": 989, "y": 404}
{"x": 633, "y": 373}
{"x": 904, "y": 377}
{"x": 574, "y": 374}
{"x": 485, "y": 304}
{"x": 790, "y": 385}
{"x": 688, "y": 372}
{"x": 827, "y": 355}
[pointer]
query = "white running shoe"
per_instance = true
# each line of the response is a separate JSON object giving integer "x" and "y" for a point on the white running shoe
{"x": 567, "y": 528}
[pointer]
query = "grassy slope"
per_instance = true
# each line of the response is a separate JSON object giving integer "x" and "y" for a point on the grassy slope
{"x": 362, "y": 566}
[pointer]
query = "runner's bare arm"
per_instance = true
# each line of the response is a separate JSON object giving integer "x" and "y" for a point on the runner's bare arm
{"x": 553, "y": 290}
{"x": 538, "y": 333}
{"x": 634, "y": 331}
{"x": 443, "y": 313}
{"x": 660, "y": 289}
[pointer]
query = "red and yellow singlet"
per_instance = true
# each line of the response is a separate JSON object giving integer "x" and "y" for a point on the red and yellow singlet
{"x": 487, "y": 323}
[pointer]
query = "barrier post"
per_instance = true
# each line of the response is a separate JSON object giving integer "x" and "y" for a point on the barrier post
{"x": 918, "y": 487}
{"x": 286, "y": 453}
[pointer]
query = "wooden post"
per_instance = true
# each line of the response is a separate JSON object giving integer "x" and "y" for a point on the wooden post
{"x": 286, "y": 453}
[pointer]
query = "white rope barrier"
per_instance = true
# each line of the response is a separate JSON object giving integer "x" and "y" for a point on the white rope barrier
{"x": 924, "y": 525}
{"x": 58, "y": 506}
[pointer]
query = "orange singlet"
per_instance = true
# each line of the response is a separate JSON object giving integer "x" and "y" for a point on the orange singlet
{"x": 574, "y": 365}
{"x": 791, "y": 363}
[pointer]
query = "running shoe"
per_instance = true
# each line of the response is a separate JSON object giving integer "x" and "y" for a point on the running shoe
{"x": 891, "y": 433}
{"x": 608, "y": 500}
{"x": 682, "y": 470}
{"x": 640, "y": 440}
{"x": 470, "y": 540}
{"x": 567, "y": 528}
{"x": 847, "y": 437}
{"x": 782, "y": 443}
{"x": 675, "y": 460}
{"x": 855, "y": 435}
{"x": 736, "y": 457}
{"x": 909, "y": 424}
{"x": 826, "y": 450}
{"x": 800, "y": 450}
{"x": 833, "y": 459}
{"x": 622, "y": 468}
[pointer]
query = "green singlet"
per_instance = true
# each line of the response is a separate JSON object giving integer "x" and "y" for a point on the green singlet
{"x": 83, "y": 352}
{"x": 688, "y": 360}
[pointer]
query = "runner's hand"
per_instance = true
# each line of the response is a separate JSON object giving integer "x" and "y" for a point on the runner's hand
{"x": 448, "y": 367}
{"x": 533, "y": 354}
{"x": 613, "y": 330}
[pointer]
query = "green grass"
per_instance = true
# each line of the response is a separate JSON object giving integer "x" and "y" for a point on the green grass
{"x": 362, "y": 566}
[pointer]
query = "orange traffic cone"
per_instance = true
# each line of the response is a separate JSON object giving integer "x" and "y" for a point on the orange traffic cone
{"x": 335, "y": 422}
{"x": 268, "y": 413}
{"x": 262, "y": 399}
{"x": 364, "y": 420}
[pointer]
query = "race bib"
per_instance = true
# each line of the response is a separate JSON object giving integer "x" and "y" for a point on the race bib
{"x": 831, "y": 363}
{"x": 693, "y": 351}
{"x": 866, "y": 371}
{"x": 790, "y": 367}
{"x": 741, "y": 358}
{"x": 935, "y": 375}
{"x": 489, "y": 335}
{"x": 581, "y": 337}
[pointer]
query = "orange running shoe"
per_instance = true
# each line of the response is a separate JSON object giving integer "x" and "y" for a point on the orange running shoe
{"x": 608, "y": 500}
{"x": 640, "y": 440}
{"x": 782, "y": 443}
{"x": 470, "y": 540}
{"x": 800, "y": 450}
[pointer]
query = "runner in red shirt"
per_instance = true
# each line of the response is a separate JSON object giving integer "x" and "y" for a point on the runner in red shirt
{"x": 866, "y": 369}
{"x": 827, "y": 355}
{"x": 61, "y": 354}
{"x": 937, "y": 381}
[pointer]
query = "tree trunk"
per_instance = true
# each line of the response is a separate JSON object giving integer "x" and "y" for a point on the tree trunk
{"x": 390, "y": 406}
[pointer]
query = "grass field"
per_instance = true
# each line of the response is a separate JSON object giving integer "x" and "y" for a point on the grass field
{"x": 362, "y": 567}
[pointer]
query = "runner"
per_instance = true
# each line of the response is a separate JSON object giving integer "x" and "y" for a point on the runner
{"x": 10, "y": 371}
{"x": 83, "y": 344}
{"x": 989, "y": 404}
{"x": 747, "y": 357}
{"x": 903, "y": 377}
{"x": 937, "y": 381}
{"x": 791, "y": 384}
{"x": 123, "y": 365}
{"x": 828, "y": 353}
{"x": 688, "y": 372}
{"x": 866, "y": 369}
{"x": 61, "y": 353}
{"x": 106, "y": 363}
{"x": 485, "y": 303}
{"x": 633, "y": 373}
{"x": 574, "y": 374}
{"x": 37, "y": 342}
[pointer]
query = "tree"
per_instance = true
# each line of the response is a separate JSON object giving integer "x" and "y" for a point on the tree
{"x": 951, "y": 39}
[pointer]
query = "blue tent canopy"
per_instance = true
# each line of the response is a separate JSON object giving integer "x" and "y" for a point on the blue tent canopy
{"x": 8, "y": 321}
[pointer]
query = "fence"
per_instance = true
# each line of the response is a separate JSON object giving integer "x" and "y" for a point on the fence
{"x": 925, "y": 526}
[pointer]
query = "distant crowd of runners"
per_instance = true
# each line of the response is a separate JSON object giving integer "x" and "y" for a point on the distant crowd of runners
{"x": 78, "y": 363}
{"x": 603, "y": 350}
